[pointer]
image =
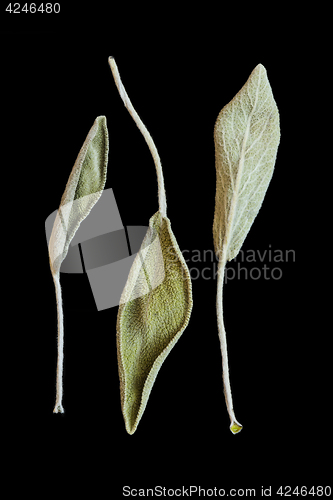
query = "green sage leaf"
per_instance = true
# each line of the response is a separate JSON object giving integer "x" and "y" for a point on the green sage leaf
{"x": 154, "y": 310}
{"x": 84, "y": 187}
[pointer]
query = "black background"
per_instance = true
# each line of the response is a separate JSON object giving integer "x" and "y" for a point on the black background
{"x": 179, "y": 71}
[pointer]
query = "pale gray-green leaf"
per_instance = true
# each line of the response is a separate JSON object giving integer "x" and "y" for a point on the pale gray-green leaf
{"x": 247, "y": 135}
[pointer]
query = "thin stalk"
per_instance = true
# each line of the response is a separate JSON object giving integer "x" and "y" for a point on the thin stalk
{"x": 235, "y": 426}
{"x": 58, "y": 408}
{"x": 145, "y": 133}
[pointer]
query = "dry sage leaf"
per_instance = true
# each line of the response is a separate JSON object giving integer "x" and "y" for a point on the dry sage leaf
{"x": 149, "y": 325}
{"x": 247, "y": 135}
{"x": 156, "y": 303}
{"x": 84, "y": 187}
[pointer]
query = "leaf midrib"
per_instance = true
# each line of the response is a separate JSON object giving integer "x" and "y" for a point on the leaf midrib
{"x": 234, "y": 199}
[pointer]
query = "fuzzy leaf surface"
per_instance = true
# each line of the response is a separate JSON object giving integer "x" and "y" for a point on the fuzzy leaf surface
{"x": 246, "y": 135}
{"x": 84, "y": 187}
{"x": 154, "y": 310}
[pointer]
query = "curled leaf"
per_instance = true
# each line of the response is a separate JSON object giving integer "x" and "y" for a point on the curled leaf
{"x": 84, "y": 187}
{"x": 154, "y": 310}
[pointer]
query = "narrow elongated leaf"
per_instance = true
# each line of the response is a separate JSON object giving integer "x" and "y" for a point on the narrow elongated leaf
{"x": 84, "y": 187}
{"x": 247, "y": 135}
{"x": 154, "y": 310}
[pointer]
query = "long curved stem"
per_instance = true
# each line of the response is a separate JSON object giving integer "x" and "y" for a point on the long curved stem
{"x": 145, "y": 133}
{"x": 58, "y": 408}
{"x": 235, "y": 426}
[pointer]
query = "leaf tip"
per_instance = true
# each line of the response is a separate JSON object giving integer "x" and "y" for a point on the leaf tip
{"x": 235, "y": 427}
{"x": 130, "y": 428}
{"x": 260, "y": 68}
{"x": 102, "y": 119}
